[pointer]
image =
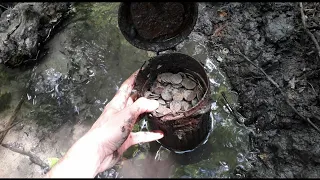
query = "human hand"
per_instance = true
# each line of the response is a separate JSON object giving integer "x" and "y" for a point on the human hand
{"x": 101, "y": 147}
{"x": 117, "y": 120}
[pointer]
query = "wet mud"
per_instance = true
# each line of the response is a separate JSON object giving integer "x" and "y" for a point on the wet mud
{"x": 272, "y": 36}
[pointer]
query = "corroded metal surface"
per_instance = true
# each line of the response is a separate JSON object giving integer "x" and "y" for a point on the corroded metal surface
{"x": 184, "y": 126}
{"x": 157, "y": 26}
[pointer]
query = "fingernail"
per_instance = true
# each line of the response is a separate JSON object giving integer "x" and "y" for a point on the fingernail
{"x": 158, "y": 133}
{"x": 154, "y": 104}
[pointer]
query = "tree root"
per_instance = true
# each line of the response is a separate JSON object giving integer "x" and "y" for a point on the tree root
{"x": 34, "y": 159}
{"x": 313, "y": 38}
{"x": 3, "y": 7}
{"x": 282, "y": 93}
{"x": 9, "y": 124}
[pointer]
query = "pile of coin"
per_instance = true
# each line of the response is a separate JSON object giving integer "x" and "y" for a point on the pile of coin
{"x": 175, "y": 92}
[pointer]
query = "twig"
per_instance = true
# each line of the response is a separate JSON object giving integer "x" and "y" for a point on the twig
{"x": 34, "y": 159}
{"x": 227, "y": 104}
{"x": 45, "y": 40}
{"x": 16, "y": 110}
{"x": 8, "y": 128}
{"x": 278, "y": 87}
{"x": 303, "y": 18}
{"x": 312, "y": 88}
{"x": 315, "y": 116}
{"x": 3, "y": 7}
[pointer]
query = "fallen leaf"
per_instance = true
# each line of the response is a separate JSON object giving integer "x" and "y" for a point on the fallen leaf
{"x": 52, "y": 161}
{"x": 222, "y": 14}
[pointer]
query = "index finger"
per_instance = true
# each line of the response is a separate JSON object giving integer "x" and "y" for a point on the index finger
{"x": 124, "y": 120}
{"x": 119, "y": 101}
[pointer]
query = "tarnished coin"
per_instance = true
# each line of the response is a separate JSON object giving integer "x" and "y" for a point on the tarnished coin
{"x": 165, "y": 77}
{"x": 190, "y": 76}
{"x": 177, "y": 96}
{"x": 147, "y": 94}
{"x": 175, "y": 92}
{"x": 194, "y": 102}
{"x": 188, "y": 83}
{"x": 176, "y": 79}
{"x": 150, "y": 95}
{"x": 157, "y": 88}
{"x": 183, "y": 75}
{"x": 185, "y": 105}
{"x": 169, "y": 88}
{"x": 166, "y": 95}
{"x": 199, "y": 92}
{"x": 175, "y": 106}
{"x": 177, "y": 85}
{"x": 161, "y": 101}
{"x": 163, "y": 110}
{"x": 159, "y": 78}
{"x": 189, "y": 95}
{"x": 153, "y": 98}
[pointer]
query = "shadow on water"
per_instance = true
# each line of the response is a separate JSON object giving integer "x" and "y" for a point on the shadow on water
{"x": 89, "y": 60}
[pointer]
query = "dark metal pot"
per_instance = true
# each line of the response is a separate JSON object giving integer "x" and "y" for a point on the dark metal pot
{"x": 157, "y": 26}
{"x": 190, "y": 129}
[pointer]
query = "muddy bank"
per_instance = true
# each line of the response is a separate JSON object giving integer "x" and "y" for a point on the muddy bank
{"x": 25, "y": 27}
{"x": 272, "y": 36}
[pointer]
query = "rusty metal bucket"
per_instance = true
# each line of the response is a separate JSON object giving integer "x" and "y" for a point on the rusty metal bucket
{"x": 189, "y": 130}
{"x": 156, "y": 26}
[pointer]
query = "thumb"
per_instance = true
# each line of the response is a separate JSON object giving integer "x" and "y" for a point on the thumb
{"x": 140, "y": 137}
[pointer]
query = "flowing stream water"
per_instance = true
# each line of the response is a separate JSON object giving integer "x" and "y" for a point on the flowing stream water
{"x": 86, "y": 63}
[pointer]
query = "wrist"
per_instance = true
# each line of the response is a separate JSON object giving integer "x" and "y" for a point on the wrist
{"x": 82, "y": 160}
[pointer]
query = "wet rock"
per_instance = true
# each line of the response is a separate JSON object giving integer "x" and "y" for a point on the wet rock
{"x": 204, "y": 22}
{"x": 24, "y": 28}
{"x": 278, "y": 28}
